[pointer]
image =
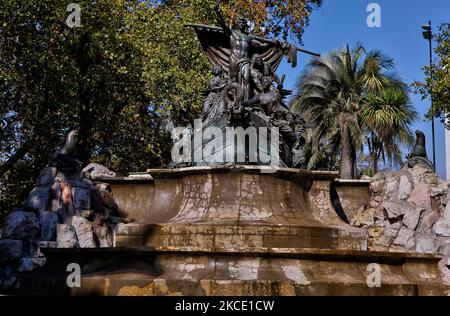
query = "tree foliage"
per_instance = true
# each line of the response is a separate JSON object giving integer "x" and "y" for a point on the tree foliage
{"x": 437, "y": 77}
{"x": 130, "y": 68}
{"x": 353, "y": 100}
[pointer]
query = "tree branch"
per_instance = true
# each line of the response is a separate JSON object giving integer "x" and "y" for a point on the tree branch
{"x": 20, "y": 153}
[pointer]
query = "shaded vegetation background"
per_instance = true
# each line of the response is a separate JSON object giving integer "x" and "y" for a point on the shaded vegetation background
{"x": 120, "y": 77}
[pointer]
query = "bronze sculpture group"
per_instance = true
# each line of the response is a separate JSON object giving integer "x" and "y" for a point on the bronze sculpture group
{"x": 244, "y": 79}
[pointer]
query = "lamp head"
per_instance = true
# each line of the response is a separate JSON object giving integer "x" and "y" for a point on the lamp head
{"x": 426, "y": 31}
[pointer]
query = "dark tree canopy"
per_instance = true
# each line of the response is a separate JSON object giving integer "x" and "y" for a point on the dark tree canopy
{"x": 120, "y": 77}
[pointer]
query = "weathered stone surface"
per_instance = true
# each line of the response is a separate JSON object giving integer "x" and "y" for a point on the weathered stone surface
{"x": 439, "y": 190}
{"x": 405, "y": 187}
{"x": 420, "y": 196}
{"x": 417, "y": 174}
{"x": 442, "y": 228}
{"x": 446, "y": 214}
{"x": 98, "y": 171}
{"x": 47, "y": 244}
{"x": 29, "y": 264}
{"x": 390, "y": 232}
{"x": 431, "y": 219}
{"x": 391, "y": 187}
{"x": 395, "y": 209}
{"x": 31, "y": 249}
{"x": 84, "y": 231}
{"x": 364, "y": 217}
{"x": 21, "y": 225}
{"x": 426, "y": 243}
{"x": 412, "y": 217}
{"x": 81, "y": 199}
{"x": 109, "y": 202}
{"x": 104, "y": 236}
{"x": 48, "y": 222}
{"x": 405, "y": 238}
{"x": 46, "y": 176}
{"x": 66, "y": 237}
{"x": 56, "y": 197}
{"x": 377, "y": 185}
{"x": 10, "y": 249}
{"x": 39, "y": 198}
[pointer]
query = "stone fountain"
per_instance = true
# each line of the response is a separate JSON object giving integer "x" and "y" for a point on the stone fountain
{"x": 227, "y": 227}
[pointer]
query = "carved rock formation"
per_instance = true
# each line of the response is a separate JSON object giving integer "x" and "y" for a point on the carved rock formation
{"x": 408, "y": 212}
{"x": 65, "y": 209}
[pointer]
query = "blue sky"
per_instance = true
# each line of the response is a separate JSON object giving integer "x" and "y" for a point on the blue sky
{"x": 339, "y": 22}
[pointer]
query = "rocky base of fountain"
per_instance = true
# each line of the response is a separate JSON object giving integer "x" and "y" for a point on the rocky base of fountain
{"x": 66, "y": 209}
{"x": 409, "y": 211}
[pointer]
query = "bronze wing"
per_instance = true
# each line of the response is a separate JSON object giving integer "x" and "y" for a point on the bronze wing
{"x": 216, "y": 45}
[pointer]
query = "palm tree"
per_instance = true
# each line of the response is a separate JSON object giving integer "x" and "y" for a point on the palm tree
{"x": 387, "y": 117}
{"x": 336, "y": 94}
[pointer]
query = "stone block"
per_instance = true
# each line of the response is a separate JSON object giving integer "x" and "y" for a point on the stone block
{"x": 404, "y": 188}
{"x": 395, "y": 209}
{"x": 412, "y": 217}
{"x": 39, "y": 198}
{"x": 48, "y": 221}
{"x": 84, "y": 231}
{"x": 21, "y": 225}
{"x": 29, "y": 264}
{"x": 46, "y": 177}
{"x": 420, "y": 196}
{"x": 98, "y": 171}
{"x": 81, "y": 199}
{"x": 66, "y": 237}
{"x": 442, "y": 228}
{"x": 10, "y": 249}
{"x": 426, "y": 243}
{"x": 405, "y": 238}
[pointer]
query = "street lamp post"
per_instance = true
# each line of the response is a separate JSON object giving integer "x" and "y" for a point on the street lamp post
{"x": 428, "y": 35}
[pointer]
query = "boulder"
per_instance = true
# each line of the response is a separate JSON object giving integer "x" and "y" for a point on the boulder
{"x": 364, "y": 217}
{"x": 391, "y": 187}
{"x": 418, "y": 174}
{"x": 405, "y": 238}
{"x": 104, "y": 236}
{"x": 377, "y": 185}
{"x": 66, "y": 237}
{"x": 446, "y": 214}
{"x": 98, "y": 171}
{"x": 81, "y": 199}
{"x": 21, "y": 225}
{"x": 404, "y": 188}
{"x": 29, "y": 264}
{"x": 440, "y": 189}
{"x": 84, "y": 231}
{"x": 412, "y": 217}
{"x": 390, "y": 232}
{"x": 442, "y": 228}
{"x": 39, "y": 198}
{"x": 431, "y": 219}
{"x": 46, "y": 176}
{"x": 426, "y": 243}
{"x": 395, "y": 209}
{"x": 420, "y": 196}
{"x": 10, "y": 249}
{"x": 56, "y": 197}
{"x": 48, "y": 222}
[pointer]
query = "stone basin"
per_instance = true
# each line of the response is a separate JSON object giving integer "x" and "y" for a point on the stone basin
{"x": 240, "y": 206}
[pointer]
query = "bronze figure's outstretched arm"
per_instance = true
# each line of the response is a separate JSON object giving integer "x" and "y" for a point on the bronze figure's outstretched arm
{"x": 221, "y": 19}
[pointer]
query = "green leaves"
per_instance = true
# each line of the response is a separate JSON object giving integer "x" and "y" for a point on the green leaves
{"x": 437, "y": 77}
{"x": 347, "y": 100}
